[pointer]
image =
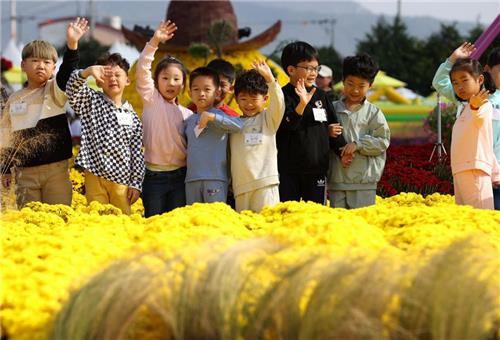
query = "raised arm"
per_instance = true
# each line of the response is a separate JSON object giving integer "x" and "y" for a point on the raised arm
{"x": 77, "y": 90}
{"x": 274, "y": 114}
{"x": 144, "y": 80}
{"x": 442, "y": 81}
{"x": 74, "y": 32}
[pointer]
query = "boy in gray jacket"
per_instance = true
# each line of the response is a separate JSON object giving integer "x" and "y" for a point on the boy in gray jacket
{"x": 353, "y": 177}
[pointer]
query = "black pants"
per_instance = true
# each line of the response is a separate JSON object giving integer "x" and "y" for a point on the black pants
{"x": 309, "y": 187}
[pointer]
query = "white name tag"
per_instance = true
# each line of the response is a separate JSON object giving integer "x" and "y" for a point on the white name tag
{"x": 319, "y": 115}
{"x": 18, "y": 108}
{"x": 124, "y": 118}
{"x": 253, "y": 138}
{"x": 197, "y": 131}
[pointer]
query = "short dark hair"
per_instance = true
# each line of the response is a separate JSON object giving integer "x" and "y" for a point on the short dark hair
{"x": 494, "y": 57}
{"x": 361, "y": 65}
{"x": 204, "y": 72}
{"x": 166, "y": 62}
{"x": 474, "y": 68}
{"x": 250, "y": 82}
{"x": 114, "y": 59}
{"x": 223, "y": 68}
{"x": 297, "y": 52}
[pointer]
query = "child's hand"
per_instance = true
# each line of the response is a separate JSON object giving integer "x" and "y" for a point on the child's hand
{"x": 6, "y": 180}
{"x": 75, "y": 31}
{"x": 264, "y": 70}
{"x": 205, "y": 118}
{"x": 132, "y": 195}
{"x": 463, "y": 51}
{"x": 164, "y": 32}
{"x": 349, "y": 149}
{"x": 335, "y": 130}
{"x": 479, "y": 99}
{"x": 301, "y": 91}
{"x": 346, "y": 160}
{"x": 99, "y": 72}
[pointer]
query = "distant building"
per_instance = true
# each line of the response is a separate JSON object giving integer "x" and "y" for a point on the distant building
{"x": 54, "y": 31}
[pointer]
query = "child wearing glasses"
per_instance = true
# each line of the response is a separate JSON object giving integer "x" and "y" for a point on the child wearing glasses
{"x": 309, "y": 128}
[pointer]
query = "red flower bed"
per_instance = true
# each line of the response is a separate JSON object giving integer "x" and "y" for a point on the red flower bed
{"x": 408, "y": 169}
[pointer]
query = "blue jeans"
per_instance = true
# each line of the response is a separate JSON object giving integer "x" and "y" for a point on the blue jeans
{"x": 496, "y": 197}
{"x": 163, "y": 191}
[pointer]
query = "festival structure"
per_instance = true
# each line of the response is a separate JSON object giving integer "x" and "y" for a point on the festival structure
{"x": 217, "y": 35}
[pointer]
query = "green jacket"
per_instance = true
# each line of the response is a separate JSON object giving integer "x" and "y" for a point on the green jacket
{"x": 367, "y": 127}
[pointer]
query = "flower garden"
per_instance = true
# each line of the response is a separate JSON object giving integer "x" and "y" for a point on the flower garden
{"x": 414, "y": 266}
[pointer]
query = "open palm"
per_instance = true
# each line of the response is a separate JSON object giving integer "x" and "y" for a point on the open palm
{"x": 165, "y": 31}
{"x": 77, "y": 29}
{"x": 301, "y": 91}
{"x": 463, "y": 51}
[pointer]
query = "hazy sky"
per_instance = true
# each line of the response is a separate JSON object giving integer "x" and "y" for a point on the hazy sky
{"x": 461, "y": 10}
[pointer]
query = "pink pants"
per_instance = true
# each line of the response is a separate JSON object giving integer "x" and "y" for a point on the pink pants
{"x": 473, "y": 187}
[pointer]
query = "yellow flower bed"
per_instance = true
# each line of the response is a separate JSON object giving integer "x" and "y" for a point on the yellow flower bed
{"x": 50, "y": 251}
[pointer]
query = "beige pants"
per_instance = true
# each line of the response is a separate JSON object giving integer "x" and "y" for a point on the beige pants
{"x": 258, "y": 199}
{"x": 106, "y": 192}
{"x": 47, "y": 183}
{"x": 473, "y": 187}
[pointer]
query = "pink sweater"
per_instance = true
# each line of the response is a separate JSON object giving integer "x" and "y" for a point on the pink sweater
{"x": 163, "y": 122}
{"x": 472, "y": 140}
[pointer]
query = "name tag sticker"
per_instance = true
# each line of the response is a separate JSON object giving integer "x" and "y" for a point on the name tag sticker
{"x": 18, "y": 108}
{"x": 253, "y": 138}
{"x": 124, "y": 118}
{"x": 319, "y": 115}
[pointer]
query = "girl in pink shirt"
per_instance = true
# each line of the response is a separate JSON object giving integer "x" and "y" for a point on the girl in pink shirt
{"x": 163, "y": 125}
{"x": 473, "y": 162}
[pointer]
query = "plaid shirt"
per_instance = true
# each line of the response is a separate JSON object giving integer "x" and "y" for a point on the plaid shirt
{"x": 111, "y": 136}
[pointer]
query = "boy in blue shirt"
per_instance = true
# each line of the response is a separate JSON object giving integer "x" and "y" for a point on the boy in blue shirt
{"x": 207, "y": 135}
{"x": 353, "y": 177}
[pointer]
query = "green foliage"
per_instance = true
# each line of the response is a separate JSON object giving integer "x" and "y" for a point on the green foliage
{"x": 330, "y": 57}
{"x": 199, "y": 50}
{"x": 448, "y": 117}
{"x": 413, "y": 60}
{"x": 219, "y": 34}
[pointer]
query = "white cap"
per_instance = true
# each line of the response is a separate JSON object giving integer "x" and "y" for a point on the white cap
{"x": 325, "y": 71}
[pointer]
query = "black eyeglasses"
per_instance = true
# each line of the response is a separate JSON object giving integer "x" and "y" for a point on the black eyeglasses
{"x": 310, "y": 69}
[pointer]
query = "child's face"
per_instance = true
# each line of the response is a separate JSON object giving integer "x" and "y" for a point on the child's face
{"x": 115, "y": 84}
{"x": 38, "y": 70}
{"x": 170, "y": 82}
{"x": 203, "y": 92}
{"x": 251, "y": 104}
{"x": 226, "y": 87}
{"x": 464, "y": 84}
{"x": 355, "y": 89}
{"x": 307, "y": 70}
{"x": 495, "y": 74}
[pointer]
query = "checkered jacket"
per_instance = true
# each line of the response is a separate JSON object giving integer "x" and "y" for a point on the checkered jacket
{"x": 108, "y": 149}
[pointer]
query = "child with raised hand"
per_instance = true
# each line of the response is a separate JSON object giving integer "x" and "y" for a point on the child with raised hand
{"x": 35, "y": 116}
{"x": 473, "y": 163}
{"x": 207, "y": 135}
{"x": 111, "y": 140}
{"x": 353, "y": 176}
{"x": 493, "y": 67}
{"x": 163, "y": 126}
{"x": 254, "y": 157}
{"x": 308, "y": 130}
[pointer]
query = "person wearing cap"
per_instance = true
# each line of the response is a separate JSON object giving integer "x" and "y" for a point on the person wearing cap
{"x": 324, "y": 82}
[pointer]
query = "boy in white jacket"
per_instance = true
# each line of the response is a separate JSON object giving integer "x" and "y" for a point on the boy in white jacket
{"x": 254, "y": 162}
